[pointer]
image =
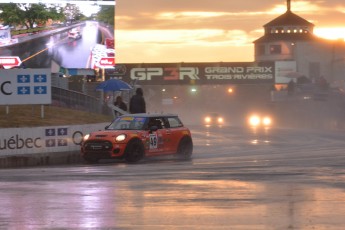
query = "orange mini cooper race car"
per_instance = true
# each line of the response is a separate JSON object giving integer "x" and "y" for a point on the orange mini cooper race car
{"x": 131, "y": 137}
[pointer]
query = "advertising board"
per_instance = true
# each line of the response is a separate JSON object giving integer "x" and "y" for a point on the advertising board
{"x": 197, "y": 73}
{"x": 21, "y": 141}
{"x": 25, "y": 86}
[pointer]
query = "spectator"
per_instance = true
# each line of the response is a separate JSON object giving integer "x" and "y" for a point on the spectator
{"x": 137, "y": 103}
{"x": 120, "y": 104}
{"x": 291, "y": 87}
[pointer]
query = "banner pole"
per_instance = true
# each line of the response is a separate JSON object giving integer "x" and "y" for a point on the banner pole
{"x": 42, "y": 111}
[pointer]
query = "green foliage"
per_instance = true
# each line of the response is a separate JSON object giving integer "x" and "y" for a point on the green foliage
{"x": 72, "y": 12}
{"x": 29, "y": 15}
{"x": 106, "y": 14}
{"x": 10, "y": 13}
{"x": 56, "y": 13}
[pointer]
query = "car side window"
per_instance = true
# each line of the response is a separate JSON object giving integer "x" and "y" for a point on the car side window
{"x": 174, "y": 122}
{"x": 156, "y": 121}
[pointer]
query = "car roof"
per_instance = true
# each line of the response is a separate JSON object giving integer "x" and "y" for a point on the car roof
{"x": 150, "y": 115}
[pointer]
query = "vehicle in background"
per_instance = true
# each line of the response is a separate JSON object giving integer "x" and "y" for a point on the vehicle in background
{"x": 213, "y": 119}
{"x": 74, "y": 34}
{"x": 259, "y": 120}
{"x": 133, "y": 136}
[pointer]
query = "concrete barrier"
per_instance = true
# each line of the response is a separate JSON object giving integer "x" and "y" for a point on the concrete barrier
{"x": 50, "y": 145}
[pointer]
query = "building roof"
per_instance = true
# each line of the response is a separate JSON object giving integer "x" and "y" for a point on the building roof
{"x": 289, "y": 19}
{"x": 287, "y": 37}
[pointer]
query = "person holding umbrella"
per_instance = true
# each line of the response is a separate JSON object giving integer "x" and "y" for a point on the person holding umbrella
{"x": 114, "y": 85}
{"x": 137, "y": 103}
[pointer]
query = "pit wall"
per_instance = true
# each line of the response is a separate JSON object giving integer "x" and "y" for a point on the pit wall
{"x": 43, "y": 145}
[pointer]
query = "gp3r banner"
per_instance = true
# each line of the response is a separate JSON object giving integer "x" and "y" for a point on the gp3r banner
{"x": 25, "y": 86}
{"x": 196, "y": 73}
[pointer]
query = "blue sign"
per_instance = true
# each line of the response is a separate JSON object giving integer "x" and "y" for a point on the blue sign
{"x": 24, "y": 90}
{"x": 40, "y": 89}
{"x": 39, "y": 78}
{"x": 23, "y": 78}
{"x": 53, "y": 133}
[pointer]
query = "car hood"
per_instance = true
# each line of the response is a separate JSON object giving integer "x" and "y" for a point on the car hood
{"x": 112, "y": 133}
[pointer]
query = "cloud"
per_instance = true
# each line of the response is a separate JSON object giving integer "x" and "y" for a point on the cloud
{"x": 184, "y": 30}
{"x": 209, "y": 37}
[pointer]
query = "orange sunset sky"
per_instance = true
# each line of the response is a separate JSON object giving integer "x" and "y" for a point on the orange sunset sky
{"x": 160, "y": 31}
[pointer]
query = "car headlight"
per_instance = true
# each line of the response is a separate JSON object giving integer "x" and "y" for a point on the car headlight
{"x": 254, "y": 120}
{"x": 86, "y": 137}
{"x": 220, "y": 120}
{"x": 120, "y": 137}
{"x": 207, "y": 119}
{"x": 266, "y": 121}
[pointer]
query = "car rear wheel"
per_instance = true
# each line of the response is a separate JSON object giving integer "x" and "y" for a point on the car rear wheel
{"x": 185, "y": 148}
{"x": 134, "y": 151}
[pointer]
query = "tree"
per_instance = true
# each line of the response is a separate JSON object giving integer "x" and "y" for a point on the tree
{"x": 25, "y": 14}
{"x": 106, "y": 14}
{"x": 29, "y": 15}
{"x": 11, "y": 14}
{"x": 35, "y": 14}
{"x": 56, "y": 13}
{"x": 72, "y": 12}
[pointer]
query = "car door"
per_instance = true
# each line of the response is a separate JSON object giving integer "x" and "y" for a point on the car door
{"x": 173, "y": 134}
{"x": 155, "y": 137}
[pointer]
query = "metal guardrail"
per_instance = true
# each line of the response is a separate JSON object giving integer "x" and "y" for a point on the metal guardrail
{"x": 76, "y": 100}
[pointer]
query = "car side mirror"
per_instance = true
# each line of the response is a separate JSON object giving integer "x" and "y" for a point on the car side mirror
{"x": 153, "y": 128}
{"x": 106, "y": 127}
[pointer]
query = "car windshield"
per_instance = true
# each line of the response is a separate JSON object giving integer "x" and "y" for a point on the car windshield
{"x": 128, "y": 123}
{"x": 214, "y": 115}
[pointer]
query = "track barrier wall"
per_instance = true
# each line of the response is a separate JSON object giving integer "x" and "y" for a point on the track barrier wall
{"x": 43, "y": 145}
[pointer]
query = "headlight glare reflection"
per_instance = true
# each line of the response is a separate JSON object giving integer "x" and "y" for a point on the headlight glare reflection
{"x": 120, "y": 137}
{"x": 86, "y": 137}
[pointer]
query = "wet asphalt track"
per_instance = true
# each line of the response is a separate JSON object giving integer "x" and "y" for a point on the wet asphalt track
{"x": 238, "y": 179}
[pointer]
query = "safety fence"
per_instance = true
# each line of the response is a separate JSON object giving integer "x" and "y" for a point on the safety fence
{"x": 76, "y": 100}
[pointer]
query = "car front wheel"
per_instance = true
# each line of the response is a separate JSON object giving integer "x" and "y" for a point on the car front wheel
{"x": 134, "y": 151}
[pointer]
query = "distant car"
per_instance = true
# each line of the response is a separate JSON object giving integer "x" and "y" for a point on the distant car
{"x": 213, "y": 119}
{"x": 134, "y": 136}
{"x": 260, "y": 120}
{"x": 74, "y": 34}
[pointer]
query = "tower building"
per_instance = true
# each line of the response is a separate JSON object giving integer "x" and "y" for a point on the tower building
{"x": 289, "y": 41}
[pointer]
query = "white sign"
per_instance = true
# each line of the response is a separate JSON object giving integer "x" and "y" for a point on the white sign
{"x": 153, "y": 141}
{"x": 283, "y": 69}
{"x": 5, "y": 34}
{"x": 10, "y": 61}
{"x": 25, "y": 86}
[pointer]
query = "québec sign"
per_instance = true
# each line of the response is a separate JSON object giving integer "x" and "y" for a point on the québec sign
{"x": 25, "y": 86}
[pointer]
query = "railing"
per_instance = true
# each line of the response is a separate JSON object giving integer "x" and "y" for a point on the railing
{"x": 77, "y": 100}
